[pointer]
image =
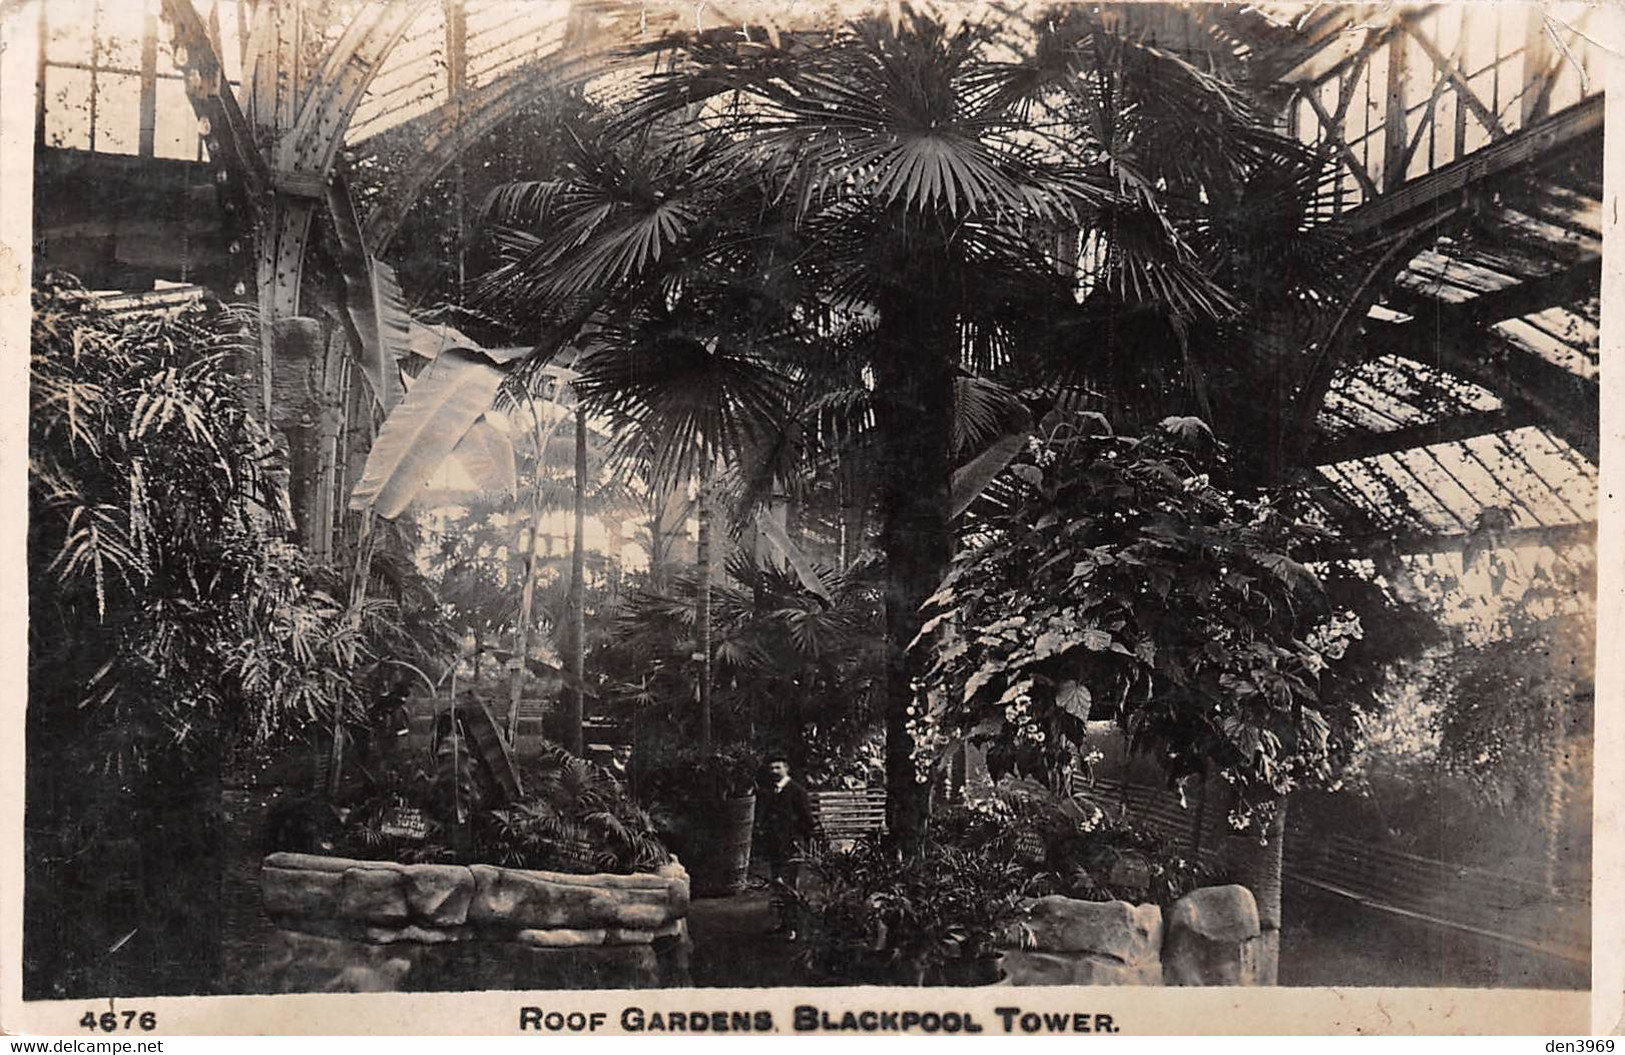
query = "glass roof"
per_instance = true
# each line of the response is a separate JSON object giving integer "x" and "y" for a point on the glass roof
{"x": 1465, "y": 314}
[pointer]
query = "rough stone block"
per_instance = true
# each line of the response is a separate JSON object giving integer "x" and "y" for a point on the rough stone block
{"x": 307, "y": 963}
{"x": 300, "y": 892}
{"x": 516, "y": 966}
{"x": 312, "y": 862}
{"x": 546, "y": 901}
{"x": 386, "y": 976}
{"x": 324, "y": 926}
{"x": 1213, "y": 938}
{"x": 628, "y": 936}
{"x": 1024, "y": 967}
{"x": 1117, "y": 930}
{"x": 680, "y": 889}
{"x": 373, "y": 926}
{"x": 561, "y": 937}
{"x": 645, "y": 935}
{"x": 375, "y": 894}
{"x": 413, "y": 933}
{"x": 439, "y": 894}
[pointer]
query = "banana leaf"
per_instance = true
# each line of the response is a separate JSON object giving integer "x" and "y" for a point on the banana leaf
{"x": 486, "y": 454}
{"x": 448, "y": 398}
{"x": 373, "y": 301}
{"x": 428, "y": 340}
{"x": 774, "y": 532}
{"x": 972, "y": 478}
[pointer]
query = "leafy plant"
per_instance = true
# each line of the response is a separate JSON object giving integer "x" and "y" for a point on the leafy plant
{"x": 876, "y": 917}
{"x": 1118, "y": 581}
{"x": 168, "y": 620}
{"x": 690, "y": 773}
{"x": 795, "y": 671}
{"x": 574, "y": 817}
{"x": 887, "y": 196}
{"x": 1069, "y": 847}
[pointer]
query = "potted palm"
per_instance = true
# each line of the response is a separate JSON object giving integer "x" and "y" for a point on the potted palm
{"x": 705, "y": 804}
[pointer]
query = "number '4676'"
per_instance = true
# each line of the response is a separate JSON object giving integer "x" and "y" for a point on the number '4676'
{"x": 113, "y": 1021}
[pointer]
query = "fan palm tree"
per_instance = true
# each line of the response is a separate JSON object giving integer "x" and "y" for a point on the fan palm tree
{"x": 919, "y": 200}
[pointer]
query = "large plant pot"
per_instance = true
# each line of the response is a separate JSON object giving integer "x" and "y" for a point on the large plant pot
{"x": 716, "y": 844}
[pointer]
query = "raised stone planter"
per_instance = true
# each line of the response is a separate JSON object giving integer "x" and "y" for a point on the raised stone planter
{"x": 1064, "y": 941}
{"x": 1211, "y": 937}
{"x": 367, "y": 926}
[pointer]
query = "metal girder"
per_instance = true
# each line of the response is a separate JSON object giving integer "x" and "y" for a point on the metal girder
{"x": 1334, "y": 347}
{"x": 336, "y": 90}
{"x": 1332, "y": 126}
{"x": 1454, "y": 337}
{"x": 1446, "y": 68}
{"x": 284, "y": 236}
{"x": 1418, "y": 544}
{"x": 1446, "y": 430}
{"x": 1526, "y": 298}
{"x": 1277, "y": 63}
{"x": 1536, "y": 295}
{"x": 1563, "y": 402}
{"x": 231, "y": 147}
{"x": 453, "y": 127}
{"x": 1534, "y": 145}
{"x": 307, "y": 120}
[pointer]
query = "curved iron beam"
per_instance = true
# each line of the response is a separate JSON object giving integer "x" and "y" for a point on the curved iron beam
{"x": 341, "y": 83}
{"x": 230, "y": 144}
{"x": 1333, "y": 350}
{"x": 304, "y": 151}
{"x": 456, "y": 125}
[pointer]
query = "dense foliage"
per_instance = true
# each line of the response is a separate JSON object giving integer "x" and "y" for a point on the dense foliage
{"x": 794, "y": 672}
{"x": 574, "y": 817}
{"x": 876, "y": 212}
{"x": 1118, "y": 581}
{"x": 153, "y": 570}
{"x": 1520, "y": 679}
{"x": 1068, "y": 846}
{"x": 876, "y": 919}
{"x": 169, "y": 621}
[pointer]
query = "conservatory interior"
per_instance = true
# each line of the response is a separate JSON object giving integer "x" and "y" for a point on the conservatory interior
{"x": 1135, "y": 465}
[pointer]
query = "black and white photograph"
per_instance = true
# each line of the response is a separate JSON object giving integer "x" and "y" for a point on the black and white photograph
{"x": 994, "y": 499}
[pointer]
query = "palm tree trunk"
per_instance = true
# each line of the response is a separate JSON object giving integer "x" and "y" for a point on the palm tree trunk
{"x": 358, "y": 597}
{"x": 576, "y": 619}
{"x": 702, "y": 600}
{"x": 527, "y": 594}
{"x": 1257, "y": 866}
{"x": 521, "y": 640}
{"x": 913, "y": 414}
{"x": 657, "y": 538}
{"x": 333, "y": 402}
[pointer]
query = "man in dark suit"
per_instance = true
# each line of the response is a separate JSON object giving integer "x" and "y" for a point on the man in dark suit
{"x": 787, "y": 830}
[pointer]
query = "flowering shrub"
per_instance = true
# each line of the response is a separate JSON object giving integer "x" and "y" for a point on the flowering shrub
{"x": 1115, "y": 580}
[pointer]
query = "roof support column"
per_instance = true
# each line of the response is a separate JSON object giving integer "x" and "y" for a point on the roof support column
{"x": 1394, "y": 137}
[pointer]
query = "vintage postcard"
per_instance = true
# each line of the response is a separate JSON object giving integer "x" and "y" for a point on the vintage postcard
{"x": 594, "y": 517}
